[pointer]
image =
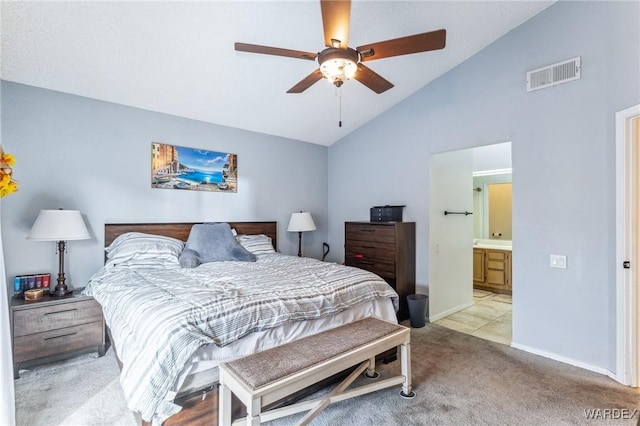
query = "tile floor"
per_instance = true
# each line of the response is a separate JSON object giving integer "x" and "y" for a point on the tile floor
{"x": 489, "y": 318}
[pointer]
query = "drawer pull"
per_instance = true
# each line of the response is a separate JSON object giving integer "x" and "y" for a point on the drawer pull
{"x": 359, "y": 256}
{"x": 59, "y": 312}
{"x": 369, "y": 247}
{"x": 62, "y": 335}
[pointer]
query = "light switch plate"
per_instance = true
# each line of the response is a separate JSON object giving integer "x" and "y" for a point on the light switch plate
{"x": 558, "y": 261}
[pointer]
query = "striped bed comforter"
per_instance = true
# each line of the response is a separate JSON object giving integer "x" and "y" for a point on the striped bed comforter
{"x": 159, "y": 317}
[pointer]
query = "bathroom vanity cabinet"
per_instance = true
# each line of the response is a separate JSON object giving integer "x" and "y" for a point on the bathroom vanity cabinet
{"x": 492, "y": 270}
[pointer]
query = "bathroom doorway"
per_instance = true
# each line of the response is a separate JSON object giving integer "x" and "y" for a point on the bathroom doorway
{"x": 628, "y": 246}
{"x": 479, "y": 269}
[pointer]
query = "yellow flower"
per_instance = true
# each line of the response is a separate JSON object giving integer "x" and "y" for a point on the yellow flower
{"x": 7, "y": 184}
{"x": 7, "y": 189}
{"x": 9, "y": 159}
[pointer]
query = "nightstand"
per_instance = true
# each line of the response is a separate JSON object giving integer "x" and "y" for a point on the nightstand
{"x": 54, "y": 328}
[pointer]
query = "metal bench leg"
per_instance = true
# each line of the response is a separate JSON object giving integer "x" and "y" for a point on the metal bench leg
{"x": 405, "y": 360}
{"x": 224, "y": 405}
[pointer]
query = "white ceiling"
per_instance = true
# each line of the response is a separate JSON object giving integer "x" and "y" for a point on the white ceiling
{"x": 178, "y": 57}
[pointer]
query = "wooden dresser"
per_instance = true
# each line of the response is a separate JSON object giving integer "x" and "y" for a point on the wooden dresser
{"x": 53, "y": 328}
{"x": 387, "y": 249}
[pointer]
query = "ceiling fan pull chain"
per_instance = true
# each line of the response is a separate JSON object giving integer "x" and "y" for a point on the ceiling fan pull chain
{"x": 340, "y": 119}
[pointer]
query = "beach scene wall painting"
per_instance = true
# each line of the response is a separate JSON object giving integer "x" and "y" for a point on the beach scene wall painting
{"x": 177, "y": 167}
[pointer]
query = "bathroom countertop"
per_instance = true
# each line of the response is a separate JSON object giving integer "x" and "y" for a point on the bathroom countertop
{"x": 494, "y": 245}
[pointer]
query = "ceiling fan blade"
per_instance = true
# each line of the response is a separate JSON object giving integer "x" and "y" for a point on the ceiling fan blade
{"x": 372, "y": 80}
{"x": 306, "y": 82}
{"x": 267, "y": 50}
{"x": 424, "y": 42}
{"x": 335, "y": 21}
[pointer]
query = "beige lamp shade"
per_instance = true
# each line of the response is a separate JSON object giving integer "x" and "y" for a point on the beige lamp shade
{"x": 59, "y": 225}
{"x": 301, "y": 222}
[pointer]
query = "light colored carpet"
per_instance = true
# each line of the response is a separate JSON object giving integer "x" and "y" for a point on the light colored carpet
{"x": 459, "y": 379}
{"x": 82, "y": 391}
{"x": 464, "y": 380}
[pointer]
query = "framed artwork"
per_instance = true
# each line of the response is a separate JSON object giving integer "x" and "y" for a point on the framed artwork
{"x": 177, "y": 167}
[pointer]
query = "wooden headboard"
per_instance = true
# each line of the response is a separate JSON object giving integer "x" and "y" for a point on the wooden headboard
{"x": 181, "y": 230}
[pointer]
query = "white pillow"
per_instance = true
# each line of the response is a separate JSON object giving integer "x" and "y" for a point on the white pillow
{"x": 256, "y": 244}
{"x": 139, "y": 250}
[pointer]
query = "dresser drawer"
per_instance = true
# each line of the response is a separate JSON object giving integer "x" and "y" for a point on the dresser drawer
{"x": 53, "y": 317}
{"x": 368, "y": 251}
{"x": 372, "y": 233}
{"x": 57, "y": 341}
{"x": 384, "y": 268}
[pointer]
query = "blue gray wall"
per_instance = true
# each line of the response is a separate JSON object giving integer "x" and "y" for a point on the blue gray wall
{"x": 94, "y": 156}
{"x": 563, "y": 147}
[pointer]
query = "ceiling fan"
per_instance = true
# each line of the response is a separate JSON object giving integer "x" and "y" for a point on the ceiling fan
{"x": 339, "y": 62}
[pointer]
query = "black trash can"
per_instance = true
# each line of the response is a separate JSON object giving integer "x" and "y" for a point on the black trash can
{"x": 417, "y": 309}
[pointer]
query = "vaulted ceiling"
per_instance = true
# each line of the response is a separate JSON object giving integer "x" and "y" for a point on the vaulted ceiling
{"x": 178, "y": 57}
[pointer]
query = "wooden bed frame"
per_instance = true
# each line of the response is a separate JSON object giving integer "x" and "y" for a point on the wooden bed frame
{"x": 181, "y": 230}
{"x": 200, "y": 408}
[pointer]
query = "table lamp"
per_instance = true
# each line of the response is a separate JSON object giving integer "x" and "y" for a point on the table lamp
{"x": 301, "y": 222}
{"x": 61, "y": 226}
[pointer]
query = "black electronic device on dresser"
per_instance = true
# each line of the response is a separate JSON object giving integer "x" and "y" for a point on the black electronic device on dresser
{"x": 387, "y": 249}
{"x": 386, "y": 213}
{"x": 55, "y": 327}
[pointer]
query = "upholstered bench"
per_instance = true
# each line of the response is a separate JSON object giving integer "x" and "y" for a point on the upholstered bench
{"x": 265, "y": 377}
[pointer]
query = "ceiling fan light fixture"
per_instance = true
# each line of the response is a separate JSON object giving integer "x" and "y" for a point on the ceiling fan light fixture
{"x": 338, "y": 69}
{"x": 338, "y": 65}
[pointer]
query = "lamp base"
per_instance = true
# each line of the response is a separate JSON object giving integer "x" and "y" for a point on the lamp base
{"x": 60, "y": 292}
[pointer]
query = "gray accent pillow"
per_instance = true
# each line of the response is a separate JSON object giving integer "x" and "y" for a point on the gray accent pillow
{"x": 189, "y": 258}
{"x": 214, "y": 242}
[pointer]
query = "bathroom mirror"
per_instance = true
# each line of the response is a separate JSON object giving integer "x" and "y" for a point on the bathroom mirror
{"x": 492, "y": 202}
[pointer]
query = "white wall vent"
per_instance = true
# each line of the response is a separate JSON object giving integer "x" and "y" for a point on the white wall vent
{"x": 551, "y": 75}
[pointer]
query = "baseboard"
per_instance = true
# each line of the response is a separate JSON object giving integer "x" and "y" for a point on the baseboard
{"x": 448, "y": 312}
{"x": 563, "y": 359}
{"x": 620, "y": 378}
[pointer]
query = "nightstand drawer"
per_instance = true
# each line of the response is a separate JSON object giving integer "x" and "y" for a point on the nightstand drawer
{"x": 53, "y": 317}
{"x": 372, "y": 233}
{"x": 57, "y": 341}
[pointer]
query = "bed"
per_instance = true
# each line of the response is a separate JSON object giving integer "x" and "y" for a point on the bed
{"x": 171, "y": 326}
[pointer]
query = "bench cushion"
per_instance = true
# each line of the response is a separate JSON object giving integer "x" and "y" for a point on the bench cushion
{"x": 266, "y": 367}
